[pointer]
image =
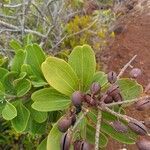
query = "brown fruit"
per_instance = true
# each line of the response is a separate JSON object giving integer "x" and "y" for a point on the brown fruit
{"x": 117, "y": 97}
{"x": 88, "y": 99}
{"x": 112, "y": 77}
{"x": 107, "y": 99}
{"x": 135, "y": 72}
{"x": 77, "y": 144}
{"x": 86, "y": 146}
{"x": 77, "y": 98}
{"x": 113, "y": 90}
{"x": 138, "y": 127}
{"x": 65, "y": 142}
{"x": 143, "y": 104}
{"x": 95, "y": 88}
{"x": 119, "y": 126}
{"x": 143, "y": 144}
{"x": 64, "y": 124}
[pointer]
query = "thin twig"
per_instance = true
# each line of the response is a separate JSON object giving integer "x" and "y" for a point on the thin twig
{"x": 126, "y": 66}
{"x": 23, "y": 17}
{"x": 98, "y": 127}
{"x": 11, "y": 6}
{"x": 19, "y": 29}
{"x": 80, "y": 118}
{"x": 127, "y": 101}
{"x": 74, "y": 34}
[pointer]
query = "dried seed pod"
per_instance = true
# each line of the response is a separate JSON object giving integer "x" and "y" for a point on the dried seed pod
{"x": 143, "y": 144}
{"x": 95, "y": 88}
{"x": 147, "y": 89}
{"x": 77, "y": 144}
{"x": 86, "y": 146}
{"x": 119, "y": 126}
{"x": 77, "y": 98}
{"x": 135, "y": 72}
{"x": 88, "y": 99}
{"x": 107, "y": 99}
{"x": 117, "y": 97}
{"x": 64, "y": 124}
{"x": 138, "y": 127}
{"x": 113, "y": 90}
{"x": 112, "y": 77}
{"x": 143, "y": 104}
{"x": 65, "y": 142}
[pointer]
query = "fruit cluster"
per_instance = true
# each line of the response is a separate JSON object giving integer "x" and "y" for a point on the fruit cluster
{"x": 98, "y": 99}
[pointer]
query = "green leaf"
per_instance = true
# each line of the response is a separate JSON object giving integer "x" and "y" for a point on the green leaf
{"x": 100, "y": 77}
{"x": 130, "y": 89}
{"x": 90, "y": 134}
{"x": 3, "y": 72}
{"x": 35, "y": 128}
{"x": 38, "y": 116}
{"x": 9, "y": 112}
{"x": 82, "y": 60}
{"x": 27, "y": 68}
{"x": 22, "y": 87}
{"x": 2, "y": 89}
{"x": 35, "y": 57}
{"x": 49, "y": 99}
{"x": 18, "y": 61}
{"x": 60, "y": 75}
{"x": 54, "y": 138}
{"x": 15, "y": 45}
{"x": 42, "y": 145}
{"x": 20, "y": 122}
{"x": 126, "y": 138}
{"x": 8, "y": 82}
{"x": 2, "y": 106}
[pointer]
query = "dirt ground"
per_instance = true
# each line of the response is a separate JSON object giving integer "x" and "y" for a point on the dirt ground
{"x": 134, "y": 40}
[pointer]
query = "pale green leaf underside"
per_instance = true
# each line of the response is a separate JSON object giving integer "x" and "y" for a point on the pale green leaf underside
{"x": 60, "y": 75}
{"x": 49, "y": 99}
{"x": 82, "y": 60}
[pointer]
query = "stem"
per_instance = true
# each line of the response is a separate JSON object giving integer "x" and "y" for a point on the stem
{"x": 127, "y": 101}
{"x": 126, "y": 66}
{"x": 124, "y": 117}
{"x": 80, "y": 118}
{"x": 98, "y": 127}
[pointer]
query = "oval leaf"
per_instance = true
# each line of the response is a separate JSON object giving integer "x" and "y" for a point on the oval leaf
{"x": 130, "y": 89}
{"x": 20, "y": 122}
{"x": 60, "y": 75}
{"x": 18, "y": 61}
{"x": 49, "y": 99}
{"x": 22, "y": 87}
{"x": 9, "y": 112}
{"x": 82, "y": 60}
{"x": 35, "y": 57}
